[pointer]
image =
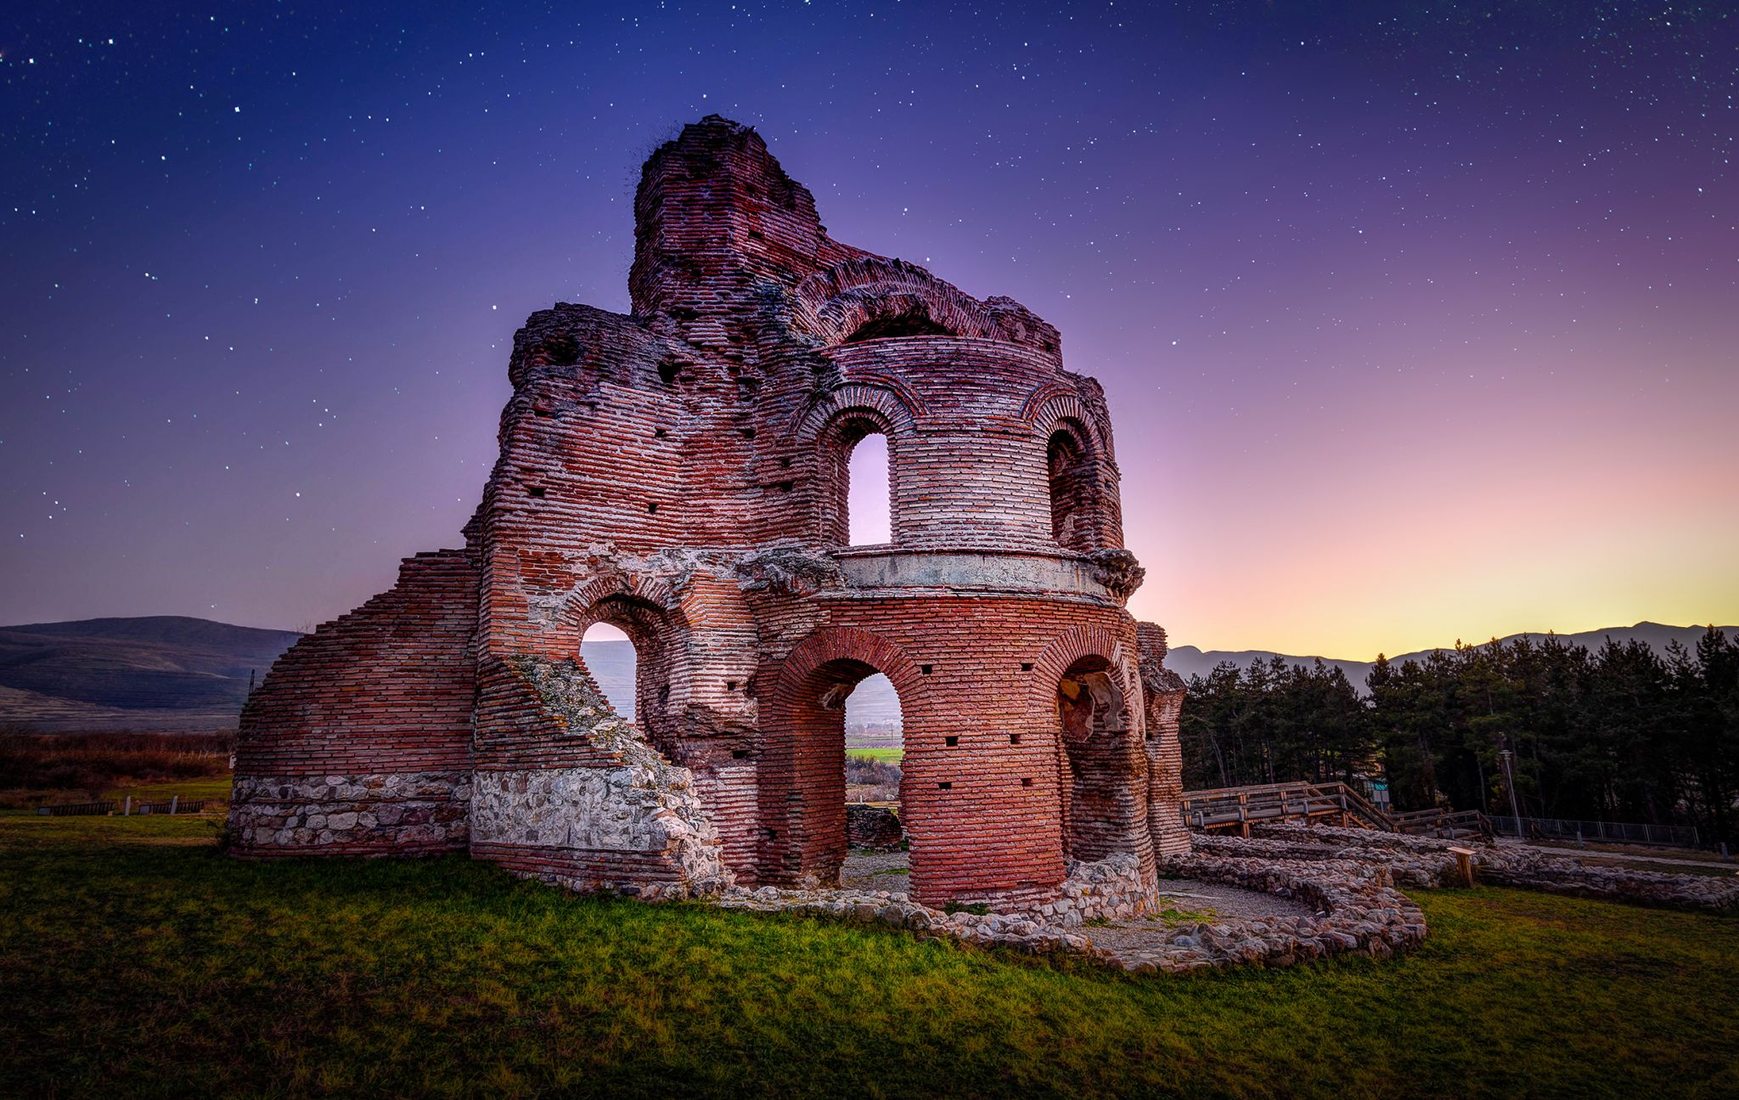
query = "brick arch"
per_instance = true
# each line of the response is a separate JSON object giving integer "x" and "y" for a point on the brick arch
{"x": 850, "y": 643}
{"x": 1081, "y": 471}
{"x": 1103, "y": 779}
{"x": 832, "y": 304}
{"x": 831, "y": 428}
{"x": 1053, "y": 403}
{"x": 650, "y": 612}
{"x": 888, "y": 400}
{"x": 1074, "y": 645}
{"x": 580, "y": 607}
{"x": 800, "y": 776}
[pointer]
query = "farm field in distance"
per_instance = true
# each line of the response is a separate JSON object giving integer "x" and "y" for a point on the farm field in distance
{"x": 136, "y": 959}
{"x": 879, "y": 755}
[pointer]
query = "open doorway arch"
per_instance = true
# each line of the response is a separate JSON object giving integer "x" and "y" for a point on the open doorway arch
{"x": 859, "y": 474}
{"x": 802, "y": 778}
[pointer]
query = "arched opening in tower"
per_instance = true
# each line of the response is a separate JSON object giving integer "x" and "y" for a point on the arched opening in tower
{"x": 844, "y": 776}
{"x": 1073, "y": 494}
{"x": 610, "y": 658}
{"x": 627, "y": 647}
{"x": 1102, "y": 813}
{"x": 912, "y": 322}
{"x": 869, "y": 492}
{"x": 874, "y": 746}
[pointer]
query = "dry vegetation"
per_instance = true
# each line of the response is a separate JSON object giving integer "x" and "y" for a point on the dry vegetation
{"x": 871, "y": 780}
{"x": 42, "y": 768}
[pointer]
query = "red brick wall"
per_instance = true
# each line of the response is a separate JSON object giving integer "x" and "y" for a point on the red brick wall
{"x": 386, "y": 690}
{"x": 997, "y": 828}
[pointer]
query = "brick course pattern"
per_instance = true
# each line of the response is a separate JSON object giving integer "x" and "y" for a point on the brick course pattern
{"x": 682, "y": 473}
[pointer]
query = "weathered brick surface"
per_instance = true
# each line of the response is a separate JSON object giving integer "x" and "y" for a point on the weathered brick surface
{"x": 357, "y": 717}
{"x": 681, "y": 472}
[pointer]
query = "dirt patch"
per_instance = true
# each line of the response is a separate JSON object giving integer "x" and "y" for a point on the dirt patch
{"x": 865, "y": 870}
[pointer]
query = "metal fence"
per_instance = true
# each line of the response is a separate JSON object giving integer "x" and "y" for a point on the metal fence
{"x": 66, "y": 809}
{"x": 1616, "y": 832}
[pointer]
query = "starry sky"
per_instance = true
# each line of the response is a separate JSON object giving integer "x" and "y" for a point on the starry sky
{"x": 1418, "y": 322}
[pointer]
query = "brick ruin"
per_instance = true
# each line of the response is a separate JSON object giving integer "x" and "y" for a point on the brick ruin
{"x": 681, "y": 472}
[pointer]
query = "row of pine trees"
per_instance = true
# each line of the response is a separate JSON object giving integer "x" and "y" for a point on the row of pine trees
{"x": 1620, "y": 733}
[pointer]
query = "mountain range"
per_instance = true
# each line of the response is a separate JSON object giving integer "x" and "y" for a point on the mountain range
{"x": 1187, "y": 660}
{"x": 159, "y": 672}
{"x": 172, "y": 672}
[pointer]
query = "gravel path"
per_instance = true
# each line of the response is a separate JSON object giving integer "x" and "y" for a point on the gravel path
{"x": 1189, "y": 902}
{"x": 1186, "y": 900}
{"x": 864, "y": 870}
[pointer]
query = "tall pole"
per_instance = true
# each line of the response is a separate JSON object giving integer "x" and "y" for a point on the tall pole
{"x": 1510, "y": 782}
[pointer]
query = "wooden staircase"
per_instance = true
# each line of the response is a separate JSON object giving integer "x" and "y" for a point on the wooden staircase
{"x": 1334, "y": 803}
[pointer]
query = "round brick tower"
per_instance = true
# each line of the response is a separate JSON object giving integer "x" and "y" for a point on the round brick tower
{"x": 682, "y": 473}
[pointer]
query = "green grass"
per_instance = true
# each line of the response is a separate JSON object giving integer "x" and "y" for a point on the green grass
{"x": 135, "y": 961}
{"x": 882, "y": 756}
{"x": 212, "y": 788}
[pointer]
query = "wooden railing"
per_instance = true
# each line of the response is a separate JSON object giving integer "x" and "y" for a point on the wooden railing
{"x": 1333, "y": 802}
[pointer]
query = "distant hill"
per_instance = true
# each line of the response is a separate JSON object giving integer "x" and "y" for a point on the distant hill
{"x": 171, "y": 672}
{"x": 1189, "y": 661}
{"x": 159, "y": 672}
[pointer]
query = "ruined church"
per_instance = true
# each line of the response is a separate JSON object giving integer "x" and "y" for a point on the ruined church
{"x": 681, "y": 472}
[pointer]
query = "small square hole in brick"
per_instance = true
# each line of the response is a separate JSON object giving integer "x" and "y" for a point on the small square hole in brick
{"x": 926, "y": 669}
{"x": 536, "y": 491}
{"x": 1026, "y": 782}
{"x": 739, "y": 754}
{"x": 660, "y": 433}
{"x": 944, "y": 786}
{"x": 651, "y": 509}
{"x": 1014, "y": 738}
{"x": 951, "y": 740}
{"x": 1026, "y": 666}
{"x": 730, "y": 685}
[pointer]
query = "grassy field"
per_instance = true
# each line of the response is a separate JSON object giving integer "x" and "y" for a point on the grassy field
{"x": 880, "y": 756}
{"x": 135, "y": 960}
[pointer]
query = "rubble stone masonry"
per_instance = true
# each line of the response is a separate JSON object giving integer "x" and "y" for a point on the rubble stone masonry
{"x": 681, "y": 472}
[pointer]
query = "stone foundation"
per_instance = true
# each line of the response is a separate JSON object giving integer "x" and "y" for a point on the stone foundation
{"x": 873, "y": 828}
{"x": 626, "y": 820}
{"x": 406, "y": 812}
{"x": 1113, "y": 888}
{"x": 1358, "y": 912}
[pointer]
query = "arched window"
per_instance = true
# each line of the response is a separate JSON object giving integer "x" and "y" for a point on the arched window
{"x": 858, "y": 475}
{"x": 611, "y": 659}
{"x": 627, "y": 647}
{"x": 869, "y": 520}
{"x": 1074, "y": 493}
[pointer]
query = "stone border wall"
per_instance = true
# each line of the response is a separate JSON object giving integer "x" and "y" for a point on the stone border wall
{"x": 1427, "y": 862}
{"x": 1359, "y": 912}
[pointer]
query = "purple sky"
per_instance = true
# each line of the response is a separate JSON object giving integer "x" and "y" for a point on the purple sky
{"x": 1415, "y": 327}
